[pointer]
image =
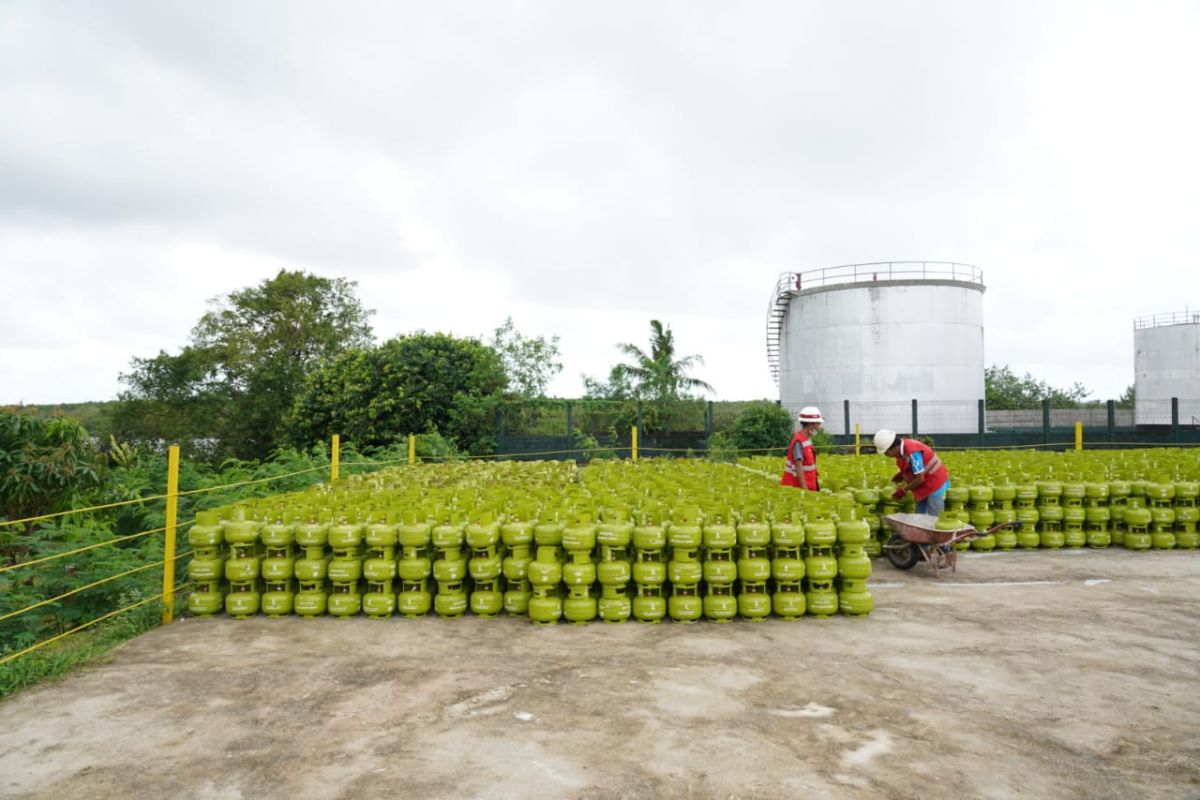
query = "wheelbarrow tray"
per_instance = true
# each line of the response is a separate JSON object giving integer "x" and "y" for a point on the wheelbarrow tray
{"x": 916, "y": 538}
{"x": 922, "y": 529}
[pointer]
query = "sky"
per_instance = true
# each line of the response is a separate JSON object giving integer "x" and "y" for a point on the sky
{"x": 585, "y": 167}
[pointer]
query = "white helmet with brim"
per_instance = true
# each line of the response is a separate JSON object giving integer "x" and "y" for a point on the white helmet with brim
{"x": 810, "y": 414}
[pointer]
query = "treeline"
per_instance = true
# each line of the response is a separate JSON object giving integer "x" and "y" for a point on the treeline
{"x": 290, "y": 362}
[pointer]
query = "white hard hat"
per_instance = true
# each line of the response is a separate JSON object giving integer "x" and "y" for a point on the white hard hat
{"x": 884, "y": 439}
{"x": 810, "y": 414}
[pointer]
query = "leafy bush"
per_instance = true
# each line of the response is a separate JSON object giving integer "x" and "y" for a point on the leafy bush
{"x": 762, "y": 426}
{"x": 433, "y": 446}
{"x": 135, "y": 475}
{"x": 422, "y": 382}
{"x": 47, "y": 464}
{"x": 823, "y": 442}
{"x": 590, "y": 447}
{"x": 721, "y": 447}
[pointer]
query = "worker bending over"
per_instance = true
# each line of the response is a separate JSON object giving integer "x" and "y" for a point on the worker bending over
{"x": 921, "y": 471}
{"x": 800, "y": 469}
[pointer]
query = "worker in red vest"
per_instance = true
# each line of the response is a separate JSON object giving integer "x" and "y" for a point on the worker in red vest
{"x": 921, "y": 471}
{"x": 800, "y": 469}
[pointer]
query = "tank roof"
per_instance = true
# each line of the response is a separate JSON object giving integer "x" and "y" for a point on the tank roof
{"x": 878, "y": 271}
{"x": 1185, "y": 317}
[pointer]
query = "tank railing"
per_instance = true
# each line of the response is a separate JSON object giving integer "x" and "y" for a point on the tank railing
{"x": 886, "y": 271}
{"x": 1185, "y": 317}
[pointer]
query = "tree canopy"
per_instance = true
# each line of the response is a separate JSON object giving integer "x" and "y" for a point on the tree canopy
{"x": 530, "y": 361}
{"x": 761, "y": 426}
{"x": 418, "y": 383}
{"x": 246, "y": 360}
{"x": 1003, "y": 389}
{"x": 617, "y": 387}
{"x": 659, "y": 375}
{"x": 46, "y": 465}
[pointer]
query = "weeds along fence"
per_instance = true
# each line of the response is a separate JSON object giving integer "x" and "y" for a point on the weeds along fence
{"x": 73, "y": 583}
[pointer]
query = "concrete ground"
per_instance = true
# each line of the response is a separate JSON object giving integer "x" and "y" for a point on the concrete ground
{"x": 1039, "y": 675}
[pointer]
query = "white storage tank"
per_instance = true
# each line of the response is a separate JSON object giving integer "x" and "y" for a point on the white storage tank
{"x": 1166, "y": 364}
{"x": 881, "y": 335}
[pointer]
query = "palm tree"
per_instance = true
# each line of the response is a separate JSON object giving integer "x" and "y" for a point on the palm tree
{"x": 660, "y": 376}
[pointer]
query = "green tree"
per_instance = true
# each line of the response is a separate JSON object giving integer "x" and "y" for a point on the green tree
{"x": 530, "y": 361}
{"x": 617, "y": 387}
{"x": 1129, "y": 398}
{"x": 659, "y": 375}
{"x": 761, "y": 426}
{"x": 1003, "y": 389}
{"x": 424, "y": 382}
{"x": 47, "y": 464}
{"x": 246, "y": 360}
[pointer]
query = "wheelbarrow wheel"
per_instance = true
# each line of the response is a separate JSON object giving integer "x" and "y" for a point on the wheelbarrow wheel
{"x": 902, "y": 553}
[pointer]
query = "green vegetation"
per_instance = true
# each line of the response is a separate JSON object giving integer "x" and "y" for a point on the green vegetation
{"x": 618, "y": 386}
{"x": 658, "y": 375}
{"x": 1004, "y": 390}
{"x": 376, "y": 396}
{"x": 292, "y": 361}
{"x": 230, "y": 388}
{"x": 46, "y": 464}
{"x": 530, "y": 362}
{"x": 762, "y": 425}
{"x": 96, "y": 416}
{"x": 660, "y": 378}
{"x": 51, "y": 466}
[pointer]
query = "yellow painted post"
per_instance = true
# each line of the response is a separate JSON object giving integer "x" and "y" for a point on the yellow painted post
{"x": 412, "y": 449}
{"x": 633, "y": 449}
{"x": 1078, "y": 435}
{"x": 335, "y": 462}
{"x": 168, "y": 597}
{"x": 857, "y": 438}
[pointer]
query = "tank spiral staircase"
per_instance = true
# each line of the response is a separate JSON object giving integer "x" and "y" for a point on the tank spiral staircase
{"x": 776, "y": 313}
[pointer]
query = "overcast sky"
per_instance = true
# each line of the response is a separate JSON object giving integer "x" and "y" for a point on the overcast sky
{"x": 587, "y": 166}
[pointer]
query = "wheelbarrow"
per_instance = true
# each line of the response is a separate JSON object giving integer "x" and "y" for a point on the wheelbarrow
{"x": 916, "y": 538}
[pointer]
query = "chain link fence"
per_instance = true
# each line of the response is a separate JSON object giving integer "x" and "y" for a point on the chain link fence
{"x": 686, "y": 426}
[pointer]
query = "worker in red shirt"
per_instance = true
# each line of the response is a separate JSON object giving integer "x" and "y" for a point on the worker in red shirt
{"x": 921, "y": 471}
{"x": 800, "y": 469}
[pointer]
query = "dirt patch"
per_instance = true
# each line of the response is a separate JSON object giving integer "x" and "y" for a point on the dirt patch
{"x": 1066, "y": 675}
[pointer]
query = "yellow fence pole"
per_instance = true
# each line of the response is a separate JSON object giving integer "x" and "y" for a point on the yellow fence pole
{"x": 335, "y": 461}
{"x": 412, "y": 449}
{"x": 857, "y": 438}
{"x": 168, "y": 597}
{"x": 633, "y": 449}
{"x": 1078, "y": 435}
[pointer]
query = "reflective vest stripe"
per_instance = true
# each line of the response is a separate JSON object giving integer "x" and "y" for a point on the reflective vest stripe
{"x": 809, "y": 468}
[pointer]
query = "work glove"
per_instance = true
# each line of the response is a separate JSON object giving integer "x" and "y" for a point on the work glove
{"x": 899, "y": 494}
